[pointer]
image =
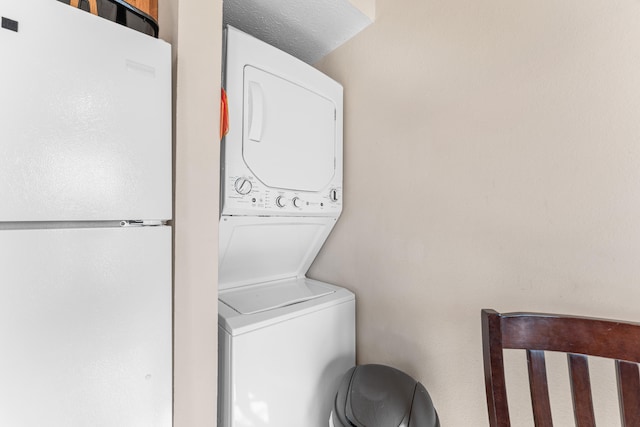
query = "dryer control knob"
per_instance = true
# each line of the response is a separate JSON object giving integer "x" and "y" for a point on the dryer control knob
{"x": 333, "y": 195}
{"x": 281, "y": 201}
{"x": 243, "y": 186}
{"x": 297, "y": 202}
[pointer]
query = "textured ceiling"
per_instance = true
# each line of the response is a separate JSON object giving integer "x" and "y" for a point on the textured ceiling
{"x": 307, "y": 29}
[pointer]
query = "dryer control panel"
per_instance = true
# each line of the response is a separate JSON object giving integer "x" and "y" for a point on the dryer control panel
{"x": 246, "y": 195}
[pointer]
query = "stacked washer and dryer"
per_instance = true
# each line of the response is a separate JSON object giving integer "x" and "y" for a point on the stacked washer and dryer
{"x": 284, "y": 340}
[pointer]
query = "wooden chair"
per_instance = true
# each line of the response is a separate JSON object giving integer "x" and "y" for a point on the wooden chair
{"x": 579, "y": 337}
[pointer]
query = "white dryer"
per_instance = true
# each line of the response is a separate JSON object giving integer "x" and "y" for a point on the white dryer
{"x": 284, "y": 340}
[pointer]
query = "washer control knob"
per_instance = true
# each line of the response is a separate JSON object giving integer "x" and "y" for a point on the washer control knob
{"x": 333, "y": 195}
{"x": 281, "y": 201}
{"x": 296, "y": 202}
{"x": 243, "y": 186}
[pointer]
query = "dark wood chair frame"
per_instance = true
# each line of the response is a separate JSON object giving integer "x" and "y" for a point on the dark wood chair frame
{"x": 579, "y": 337}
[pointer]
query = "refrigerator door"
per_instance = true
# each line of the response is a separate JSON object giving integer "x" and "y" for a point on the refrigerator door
{"x": 85, "y": 117}
{"x": 85, "y": 327}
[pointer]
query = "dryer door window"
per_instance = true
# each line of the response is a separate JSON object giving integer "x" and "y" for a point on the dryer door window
{"x": 289, "y": 133}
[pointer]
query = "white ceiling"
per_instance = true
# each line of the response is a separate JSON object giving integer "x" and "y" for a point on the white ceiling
{"x": 306, "y": 29}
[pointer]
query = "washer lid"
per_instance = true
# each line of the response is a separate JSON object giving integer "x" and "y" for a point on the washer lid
{"x": 289, "y": 132}
{"x": 264, "y": 297}
{"x": 233, "y": 323}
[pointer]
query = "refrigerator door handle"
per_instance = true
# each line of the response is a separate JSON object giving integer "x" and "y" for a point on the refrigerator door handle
{"x": 142, "y": 223}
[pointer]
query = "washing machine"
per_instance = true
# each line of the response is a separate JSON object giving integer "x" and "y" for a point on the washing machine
{"x": 284, "y": 340}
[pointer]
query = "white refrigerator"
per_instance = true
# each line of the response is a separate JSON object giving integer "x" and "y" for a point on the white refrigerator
{"x": 85, "y": 211}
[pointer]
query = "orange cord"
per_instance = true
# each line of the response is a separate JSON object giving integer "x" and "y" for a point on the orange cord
{"x": 224, "y": 115}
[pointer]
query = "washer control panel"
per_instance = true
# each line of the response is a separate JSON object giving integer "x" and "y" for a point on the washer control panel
{"x": 246, "y": 195}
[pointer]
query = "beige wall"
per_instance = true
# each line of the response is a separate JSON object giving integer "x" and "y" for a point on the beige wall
{"x": 195, "y": 30}
{"x": 492, "y": 159}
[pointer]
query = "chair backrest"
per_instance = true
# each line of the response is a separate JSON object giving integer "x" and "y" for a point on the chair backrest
{"x": 579, "y": 337}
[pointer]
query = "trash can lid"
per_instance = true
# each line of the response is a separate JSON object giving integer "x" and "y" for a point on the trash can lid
{"x": 382, "y": 396}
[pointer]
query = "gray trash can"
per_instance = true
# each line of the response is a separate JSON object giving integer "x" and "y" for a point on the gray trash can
{"x": 382, "y": 396}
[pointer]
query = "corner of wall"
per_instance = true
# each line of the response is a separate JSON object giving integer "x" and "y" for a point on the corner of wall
{"x": 195, "y": 31}
{"x": 368, "y": 7}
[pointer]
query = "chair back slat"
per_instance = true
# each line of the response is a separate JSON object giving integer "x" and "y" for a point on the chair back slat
{"x": 579, "y": 337}
{"x": 494, "y": 372}
{"x": 629, "y": 393}
{"x": 539, "y": 388}
{"x": 581, "y": 390}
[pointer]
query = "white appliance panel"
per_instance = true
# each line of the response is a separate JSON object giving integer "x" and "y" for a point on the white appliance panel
{"x": 288, "y": 133}
{"x": 85, "y": 104}
{"x": 264, "y": 297}
{"x": 284, "y": 340}
{"x": 260, "y": 249}
{"x": 286, "y": 375}
{"x": 86, "y": 327}
{"x": 283, "y": 153}
{"x": 236, "y": 323}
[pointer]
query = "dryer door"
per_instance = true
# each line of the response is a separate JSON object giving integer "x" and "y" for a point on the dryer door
{"x": 289, "y": 133}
